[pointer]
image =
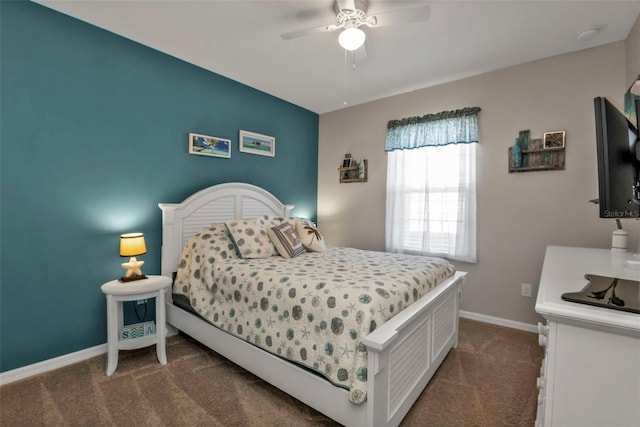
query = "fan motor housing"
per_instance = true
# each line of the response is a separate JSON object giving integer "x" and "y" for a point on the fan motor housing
{"x": 358, "y": 15}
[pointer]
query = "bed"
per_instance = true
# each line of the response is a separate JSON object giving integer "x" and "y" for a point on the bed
{"x": 402, "y": 354}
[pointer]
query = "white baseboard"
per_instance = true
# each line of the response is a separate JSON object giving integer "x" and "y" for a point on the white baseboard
{"x": 51, "y": 364}
{"x": 79, "y": 356}
{"x": 499, "y": 321}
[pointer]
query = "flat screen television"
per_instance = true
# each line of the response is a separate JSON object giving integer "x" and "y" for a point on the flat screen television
{"x": 618, "y": 153}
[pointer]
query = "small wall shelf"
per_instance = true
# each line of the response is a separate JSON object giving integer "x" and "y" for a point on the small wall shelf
{"x": 543, "y": 159}
{"x": 350, "y": 174}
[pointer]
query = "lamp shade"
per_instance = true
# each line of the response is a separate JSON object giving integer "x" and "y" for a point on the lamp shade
{"x": 132, "y": 244}
{"x": 351, "y": 38}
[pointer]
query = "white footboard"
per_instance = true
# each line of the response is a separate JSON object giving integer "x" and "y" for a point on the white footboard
{"x": 407, "y": 350}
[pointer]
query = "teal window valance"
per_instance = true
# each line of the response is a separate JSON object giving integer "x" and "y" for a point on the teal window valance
{"x": 444, "y": 128}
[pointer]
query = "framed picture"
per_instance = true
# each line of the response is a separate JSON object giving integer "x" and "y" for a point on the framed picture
{"x": 346, "y": 163}
{"x": 209, "y": 145}
{"x": 554, "y": 139}
{"x": 256, "y": 143}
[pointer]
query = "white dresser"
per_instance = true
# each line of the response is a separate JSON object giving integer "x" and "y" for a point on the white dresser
{"x": 590, "y": 375}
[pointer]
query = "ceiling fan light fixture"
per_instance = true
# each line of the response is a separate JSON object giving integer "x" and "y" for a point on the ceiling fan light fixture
{"x": 351, "y": 38}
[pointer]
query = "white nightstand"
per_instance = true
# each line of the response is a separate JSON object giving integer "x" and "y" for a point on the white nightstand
{"x": 117, "y": 292}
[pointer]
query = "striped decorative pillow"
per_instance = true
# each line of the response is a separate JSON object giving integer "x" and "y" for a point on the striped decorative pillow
{"x": 286, "y": 240}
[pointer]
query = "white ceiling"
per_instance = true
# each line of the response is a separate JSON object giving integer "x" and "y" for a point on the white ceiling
{"x": 241, "y": 40}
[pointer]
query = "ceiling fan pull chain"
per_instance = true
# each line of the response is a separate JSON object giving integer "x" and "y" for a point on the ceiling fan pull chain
{"x": 345, "y": 78}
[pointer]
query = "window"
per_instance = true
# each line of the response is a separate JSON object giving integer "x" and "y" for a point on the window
{"x": 431, "y": 204}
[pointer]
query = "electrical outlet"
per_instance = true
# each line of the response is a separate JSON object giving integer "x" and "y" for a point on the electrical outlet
{"x": 143, "y": 301}
{"x": 526, "y": 289}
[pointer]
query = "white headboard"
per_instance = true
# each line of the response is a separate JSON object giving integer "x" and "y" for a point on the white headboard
{"x": 219, "y": 203}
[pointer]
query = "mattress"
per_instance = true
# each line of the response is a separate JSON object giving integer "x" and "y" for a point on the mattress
{"x": 314, "y": 309}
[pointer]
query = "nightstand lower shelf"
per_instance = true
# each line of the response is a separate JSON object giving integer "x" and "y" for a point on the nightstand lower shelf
{"x": 135, "y": 343}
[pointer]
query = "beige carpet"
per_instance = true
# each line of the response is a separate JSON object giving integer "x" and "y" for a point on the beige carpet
{"x": 489, "y": 380}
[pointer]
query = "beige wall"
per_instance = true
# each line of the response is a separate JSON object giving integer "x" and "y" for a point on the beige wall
{"x": 518, "y": 214}
{"x": 633, "y": 53}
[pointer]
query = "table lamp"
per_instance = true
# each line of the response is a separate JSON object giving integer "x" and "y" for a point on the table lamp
{"x": 132, "y": 245}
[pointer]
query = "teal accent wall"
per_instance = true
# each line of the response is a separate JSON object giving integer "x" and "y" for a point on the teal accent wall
{"x": 93, "y": 136}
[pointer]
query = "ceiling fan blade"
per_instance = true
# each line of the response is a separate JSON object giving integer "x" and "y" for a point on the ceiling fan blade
{"x": 403, "y": 16}
{"x": 308, "y": 32}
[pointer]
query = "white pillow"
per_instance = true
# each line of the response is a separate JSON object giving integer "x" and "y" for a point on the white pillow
{"x": 250, "y": 236}
{"x": 310, "y": 236}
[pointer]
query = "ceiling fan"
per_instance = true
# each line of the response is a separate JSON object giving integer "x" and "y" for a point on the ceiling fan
{"x": 352, "y": 14}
